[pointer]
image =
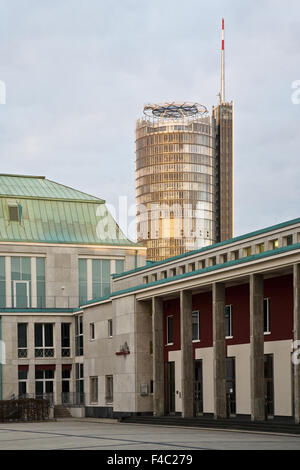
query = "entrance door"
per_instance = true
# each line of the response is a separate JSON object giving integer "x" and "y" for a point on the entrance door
{"x": 198, "y": 388}
{"x": 269, "y": 385}
{"x": 230, "y": 386}
{"x": 170, "y": 387}
{"x": 21, "y": 294}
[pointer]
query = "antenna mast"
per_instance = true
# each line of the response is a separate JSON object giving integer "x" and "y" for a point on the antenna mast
{"x": 222, "y": 94}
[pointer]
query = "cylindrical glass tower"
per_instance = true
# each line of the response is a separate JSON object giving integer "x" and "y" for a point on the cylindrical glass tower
{"x": 175, "y": 179}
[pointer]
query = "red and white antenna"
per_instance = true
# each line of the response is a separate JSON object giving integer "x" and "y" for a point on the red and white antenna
{"x": 222, "y": 94}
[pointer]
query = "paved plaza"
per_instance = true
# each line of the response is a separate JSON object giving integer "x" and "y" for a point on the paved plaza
{"x": 85, "y": 434}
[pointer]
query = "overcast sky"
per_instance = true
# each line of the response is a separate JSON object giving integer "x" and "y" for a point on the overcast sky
{"x": 78, "y": 74}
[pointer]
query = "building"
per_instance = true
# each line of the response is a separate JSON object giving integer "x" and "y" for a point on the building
{"x": 184, "y": 175}
{"x": 58, "y": 248}
{"x": 210, "y": 331}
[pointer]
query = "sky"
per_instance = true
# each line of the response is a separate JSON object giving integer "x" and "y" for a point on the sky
{"x": 78, "y": 74}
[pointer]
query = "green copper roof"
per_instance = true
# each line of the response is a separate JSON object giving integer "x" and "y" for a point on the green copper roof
{"x": 52, "y": 213}
{"x": 39, "y": 186}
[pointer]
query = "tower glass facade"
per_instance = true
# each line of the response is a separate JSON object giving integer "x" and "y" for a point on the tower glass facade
{"x": 176, "y": 182}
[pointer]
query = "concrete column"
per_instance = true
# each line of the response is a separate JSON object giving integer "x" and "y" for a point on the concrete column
{"x": 297, "y": 338}
{"x": 257, "y": 379}
{"x": 158, "y": 357}
{"x": 219, "y": 350}
{"x": 187, "y": 363}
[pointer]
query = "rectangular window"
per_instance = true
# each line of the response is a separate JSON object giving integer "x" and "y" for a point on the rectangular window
{"x": 22, "y": 381}
{"x": 40, "y": 283}
{"x": 247, "y": 251}
{"x": 65, "y": 340}
{"x": 109, "y": 389}
{"x": 43, "y": 340}
{"x": 228, "y": 321}
{"x": 260, "y": 248}
{"x": 195, "y": 326}
{"x": 267, "y": 323}
{"x": 288, "y": 240}
{"x": 92, "y": 331}
{"x": 94, "y": 389}
{"x": 79, "y": 384}
{"x": 110, "y": 327}
{"x": 82, "y": 272}
{"x": 273, "y": 244}
{"x": 101, "y": 278}
{"x": 44, "y": 382}
{"x": 22, "y": 340}
{"x": 79, "y": 335}
{"x": 119, "y": 266}
{"x": 224, "y": 258}
{"x": 13, "y": 212}
{"x": 170, "y": 330}
{"x": 164, "y": 275}
{"x": 2, "y": 282}
{"x": 235, "y": 255}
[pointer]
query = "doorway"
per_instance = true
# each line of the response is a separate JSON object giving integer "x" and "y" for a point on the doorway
{"x": 269, "y": 385}
{"x": 21, "y": 294}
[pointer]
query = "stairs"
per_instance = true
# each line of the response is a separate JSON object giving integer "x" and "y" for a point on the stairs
{"x": 61, "y": 411}
{"x": 276, "y": 425}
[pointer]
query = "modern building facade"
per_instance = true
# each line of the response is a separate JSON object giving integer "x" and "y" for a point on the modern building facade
{"x": 184, "y": 177}
{"x": 58, "y": 248}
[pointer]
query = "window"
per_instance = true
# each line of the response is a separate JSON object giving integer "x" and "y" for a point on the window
{"x": 195, "y": 326}
{"x": 273, "y": 244}
{"x": 13, "y": 212}
{"x": 94, "y": 389}
{"x": 201, "y": 264}
{"x": 173, "y": 272}
{"x": 145, "y": 279}
{"x": 288, "y": 240}
{"x": 79, "y": 384}
{"x": 2, "y": 282}
{"x": 109, "y": 389}
{"x": 151, "y": 386}
{"x": 228, "y": 321}
{"x": 43, "y": 340}
{"x": 65, "y": 382}
{"x": 267, "y": 323}
{"x": 212, "y": 261}
{"x": 164, "y": 275}
{"x": 223, "y": 258}
{"x": 235, "y": 255}
{"x": 119, "y": 266}
{"x": 82, "y": 270}
{"x": 22, "y": 380}
{"x": 44, "y": 381}
{"x": 101, "y": 278}
{"x": 247, "y": 251}
{"x": 22, "y": 339}
{"x": 65, "y": 340}
{"x": 79, "y": 335}
{"x": 181, "y": 269}
{"x": 92, "y": 331}
{"x": 260, "y": 248}
{"x": 192, "y": 267}
{"x": 21, "y": 281}
{"x": 110, "y": 327}
{"x": 40, "y": 283}
{"x": 170, "y": 331}
{"x": 153, "y": 277}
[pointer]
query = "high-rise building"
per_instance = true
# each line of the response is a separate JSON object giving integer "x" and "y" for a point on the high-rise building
{"x": 184, "y": 175}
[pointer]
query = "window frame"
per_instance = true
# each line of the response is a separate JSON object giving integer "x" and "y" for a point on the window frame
{"x": 268, "y": 331}
{"x": 170, "y": 343}
{"x": 196, "y": 340}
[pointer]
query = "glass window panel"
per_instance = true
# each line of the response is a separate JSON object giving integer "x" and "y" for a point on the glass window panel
{"x": 15, "y": 268}
{"x": 170, "y": 335}
{"x": 40, "y": 269}
{"x": 39, "y": 374}
{"x": 39, "y": 388}
{"x": 106, "y": 271}
{"x": 49, "y": 374}
{"x": 26, "y": 268}
{"x": 22, "y": 374}
{"x": 119, "y": 266}
{"x": 65, "y": 335}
